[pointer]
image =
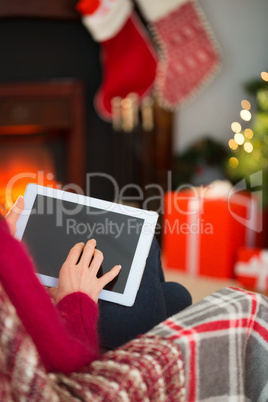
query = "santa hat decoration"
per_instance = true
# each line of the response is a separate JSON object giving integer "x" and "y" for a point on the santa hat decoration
{"x": 127, "y": 57}
{"x": 189, "y": 55}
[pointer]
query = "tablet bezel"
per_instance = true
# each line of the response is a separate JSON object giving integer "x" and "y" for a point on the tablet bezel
{"x": 142, "y": 250}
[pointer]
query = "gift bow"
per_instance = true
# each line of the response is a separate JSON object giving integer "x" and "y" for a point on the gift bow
{"x": 257, "y": 266}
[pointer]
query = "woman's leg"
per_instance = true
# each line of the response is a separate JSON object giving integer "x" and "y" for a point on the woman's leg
{"x": 155, "y": 301}
{"x": 176, "y": 297}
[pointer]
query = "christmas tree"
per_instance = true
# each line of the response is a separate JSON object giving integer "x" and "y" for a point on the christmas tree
{"x": 249, "y": 145}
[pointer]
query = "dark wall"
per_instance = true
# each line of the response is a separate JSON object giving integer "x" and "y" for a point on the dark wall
{"x": 40, "y": 49}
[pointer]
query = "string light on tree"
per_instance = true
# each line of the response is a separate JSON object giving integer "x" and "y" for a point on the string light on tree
{"x": 236, "y": 127}
{"x": 248, "y": 133}
{"x": 245, "y": 115}
{"x": 250, "y": 154}
{"x": 248, "y": 147}
{"x": 232, "y": 144}
{"x": 264, "y": 76}
{"x": 239, "y": 138}
{"x": 246, "y": 104}
{"x": 233, "y": 162}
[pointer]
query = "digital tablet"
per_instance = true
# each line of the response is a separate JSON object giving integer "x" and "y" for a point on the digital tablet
{"x": 53, "y": 221}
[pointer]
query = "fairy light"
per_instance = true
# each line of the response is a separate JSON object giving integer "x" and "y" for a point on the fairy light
{"x": 248, "y": 133}
{"x": 239, "y": 138}
{"x": 245, "y": 115}
{"x": 246, "y": 104}
{"x": 248, "y": 147}
{"x": 233, "y": 145}
{"x": 236, "y": 127}
{"x": 264, "y": 76}
{"x": 233, "y": 162}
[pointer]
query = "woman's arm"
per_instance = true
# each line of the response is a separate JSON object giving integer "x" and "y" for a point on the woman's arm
{"x": 61, "y": 347}
{"x": 65, "y": 344}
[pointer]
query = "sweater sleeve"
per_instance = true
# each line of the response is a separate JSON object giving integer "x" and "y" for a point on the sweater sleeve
{"x": 66, "y": 339}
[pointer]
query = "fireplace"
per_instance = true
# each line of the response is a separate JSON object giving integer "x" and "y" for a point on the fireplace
{"x": 62, "y": 48}
{"x": 42, "y": 136}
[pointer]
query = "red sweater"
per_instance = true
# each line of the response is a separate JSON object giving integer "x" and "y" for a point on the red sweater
{"x": 65, "y": 337}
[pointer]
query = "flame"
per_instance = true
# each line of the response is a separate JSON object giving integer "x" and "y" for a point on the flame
{"x": 21, "y": 165}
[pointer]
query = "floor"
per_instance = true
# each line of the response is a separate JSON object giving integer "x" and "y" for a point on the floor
{"x": 198, "y": 286}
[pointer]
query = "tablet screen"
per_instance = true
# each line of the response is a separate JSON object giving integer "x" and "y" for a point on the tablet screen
{"x": 61, "y": 224}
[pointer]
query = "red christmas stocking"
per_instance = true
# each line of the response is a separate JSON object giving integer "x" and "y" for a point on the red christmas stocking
{"x": 128, "y": 58}
{"x": 189, "y": 56}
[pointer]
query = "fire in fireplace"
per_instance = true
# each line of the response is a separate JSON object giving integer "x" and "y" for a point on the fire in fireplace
{"x": 41, "y": 136}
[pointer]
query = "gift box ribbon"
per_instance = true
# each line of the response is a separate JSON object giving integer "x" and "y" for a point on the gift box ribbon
{"x": 256, "y": 267}
{"x": 195, "y": 206}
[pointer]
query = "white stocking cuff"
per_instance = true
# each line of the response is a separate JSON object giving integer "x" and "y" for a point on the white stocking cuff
{"x": 154, "y": 10}
{"x": 104, "y": 27}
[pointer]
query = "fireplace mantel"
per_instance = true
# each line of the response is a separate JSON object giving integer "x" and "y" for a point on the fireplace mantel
{"x": 56, "y": 9}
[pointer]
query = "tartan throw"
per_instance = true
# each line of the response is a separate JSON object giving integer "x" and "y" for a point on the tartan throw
{"x": 224, "y": 345}
{"x": 224, "y": 342}
{"x": 149, "y": 368}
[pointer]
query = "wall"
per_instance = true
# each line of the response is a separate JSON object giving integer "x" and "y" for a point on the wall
{"x": 241, "y": 29}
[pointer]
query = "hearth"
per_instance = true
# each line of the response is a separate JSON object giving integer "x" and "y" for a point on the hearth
{"x": 42, "y": 136}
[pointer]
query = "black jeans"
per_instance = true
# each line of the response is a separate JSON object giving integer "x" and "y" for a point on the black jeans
{"x": 156, "y": 300}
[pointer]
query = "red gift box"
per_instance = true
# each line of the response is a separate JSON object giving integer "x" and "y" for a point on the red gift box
{"x": 251, "y": 268}
{"x": 201, "y": 233}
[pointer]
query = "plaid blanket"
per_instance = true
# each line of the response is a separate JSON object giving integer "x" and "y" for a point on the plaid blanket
{"x": 215, "y": 350}
{"x": 224, "y": 342}
{"x": 148, "y": 368}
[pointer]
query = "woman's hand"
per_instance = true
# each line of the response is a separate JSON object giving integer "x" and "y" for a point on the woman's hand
{"x": 13, "y": 214}
{"x": 79, "y": 273}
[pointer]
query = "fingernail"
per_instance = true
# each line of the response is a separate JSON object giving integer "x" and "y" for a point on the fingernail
{"x": 19, "y": 199}
{"x": 119, "y": 267}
